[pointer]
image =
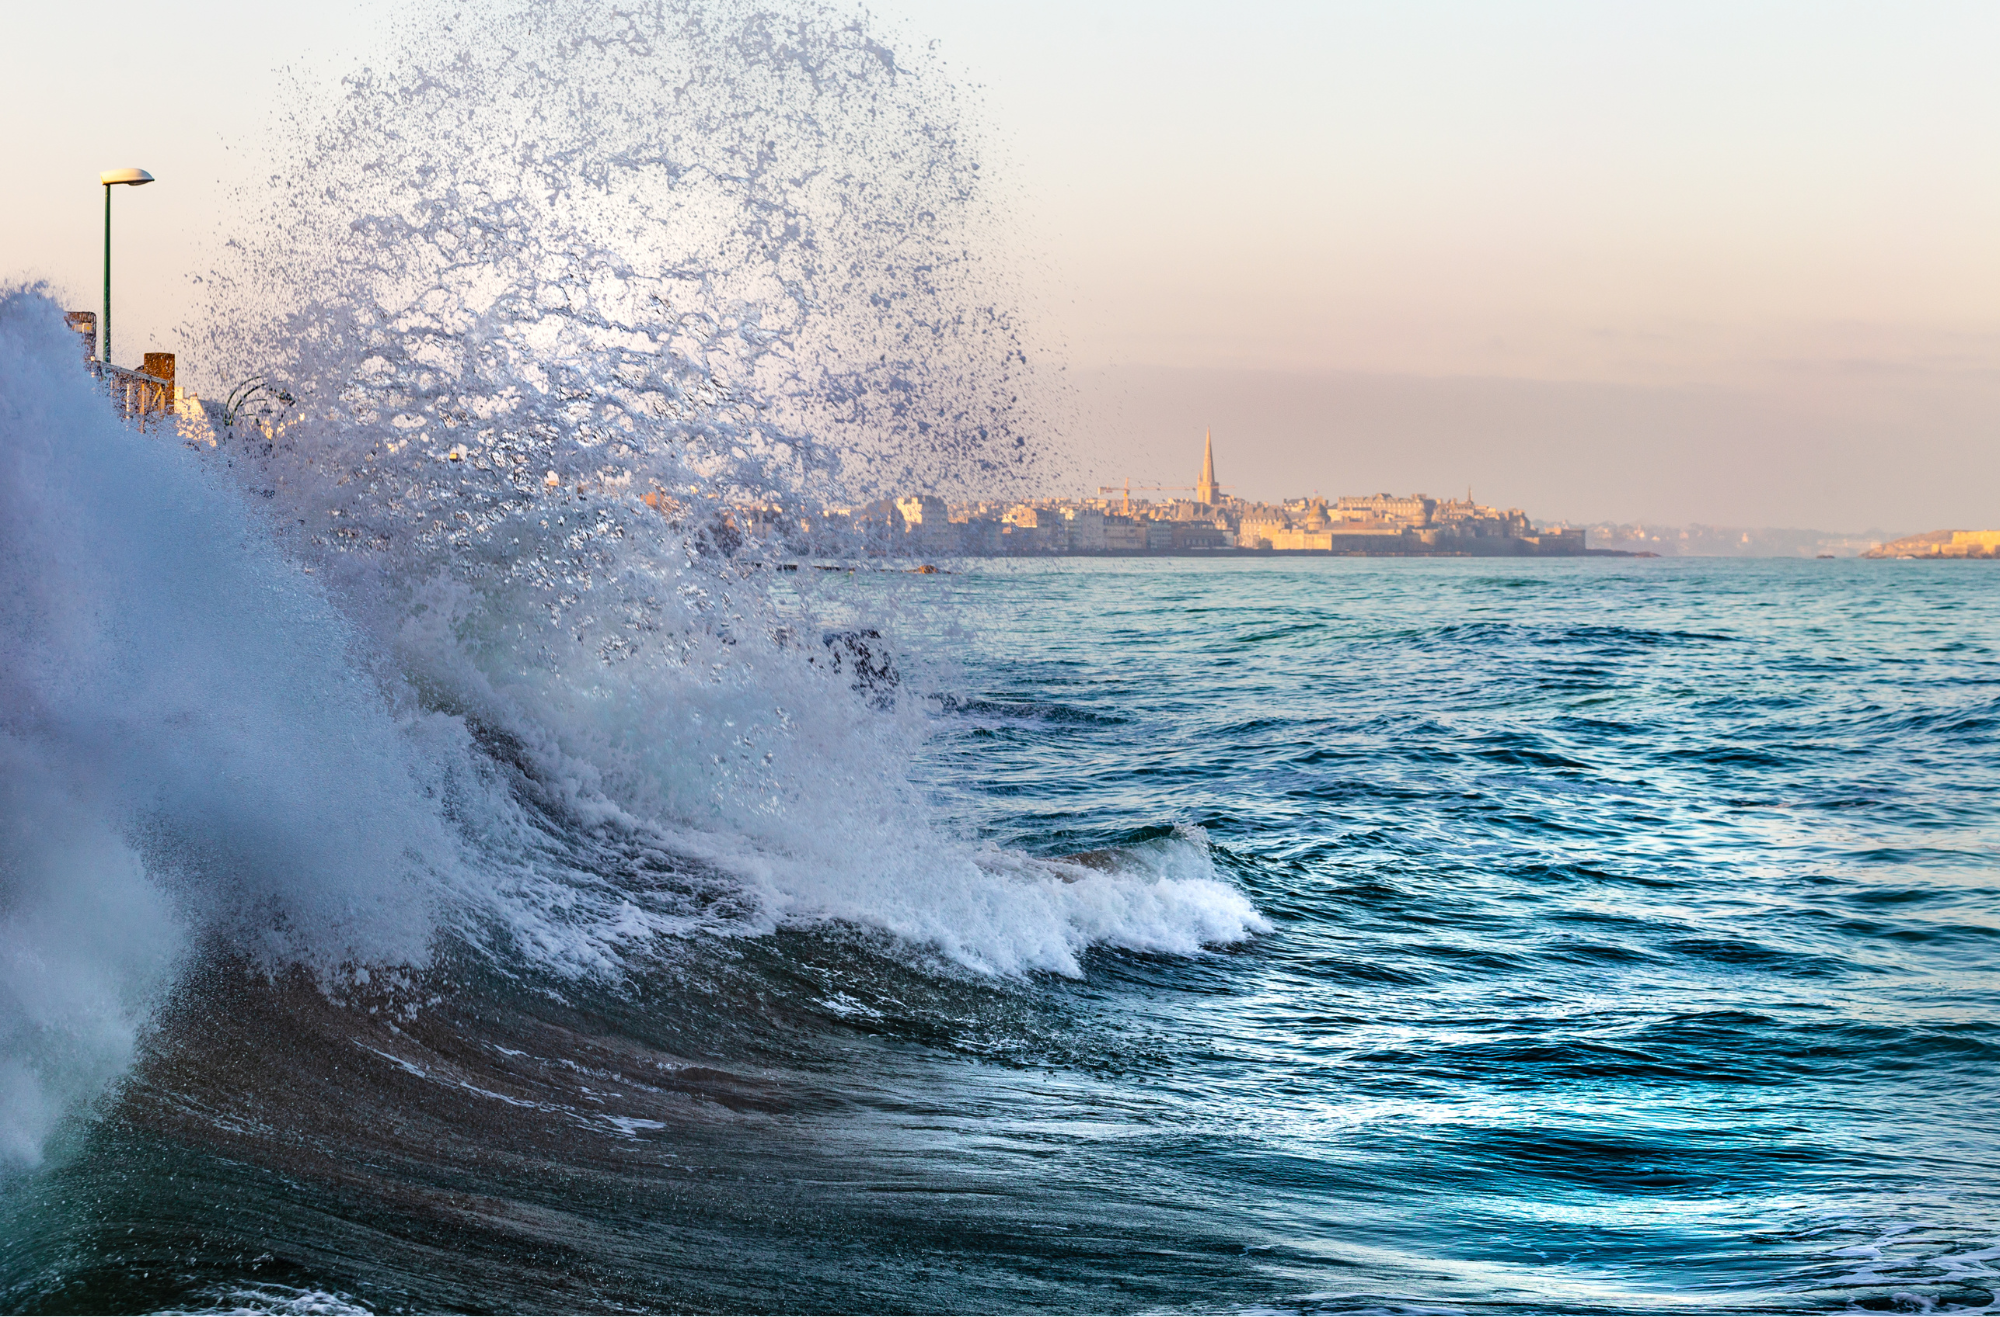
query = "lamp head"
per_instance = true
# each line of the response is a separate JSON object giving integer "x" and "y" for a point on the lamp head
{"x": 135, "y": 177}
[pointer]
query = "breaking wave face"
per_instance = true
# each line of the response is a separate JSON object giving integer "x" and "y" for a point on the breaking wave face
{"x": 188, "y": 744}
{"x": 464, "y": 649}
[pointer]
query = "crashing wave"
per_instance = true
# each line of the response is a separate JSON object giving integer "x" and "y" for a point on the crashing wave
{"x": 459, "y": 650}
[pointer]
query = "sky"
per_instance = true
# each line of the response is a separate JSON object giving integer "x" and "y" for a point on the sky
{"x": 1731, "y": 263}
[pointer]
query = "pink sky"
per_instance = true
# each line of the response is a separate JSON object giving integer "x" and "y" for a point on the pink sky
{"x": 1673, "y": 261}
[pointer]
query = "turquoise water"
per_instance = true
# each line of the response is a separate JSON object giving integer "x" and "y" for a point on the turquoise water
{"x": 1634, "y": 922}
{"x": 434, "y": 877}
{"x": 1625, "y": 941}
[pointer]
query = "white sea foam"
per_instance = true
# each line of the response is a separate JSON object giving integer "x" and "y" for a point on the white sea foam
{"x": 86, "y": 942}
{"x": 265, "y": 1299}
{"x": 1919, "y": 1265}
{"x": 747, "y": 266}
{"x": 772, "y": 780}
{"x": 184, "y": 745}
{"x": 194, "y": 742}
{"x": 240, "y": 687}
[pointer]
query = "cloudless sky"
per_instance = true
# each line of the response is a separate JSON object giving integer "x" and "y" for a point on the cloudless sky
{"x": 1733, "y": 262}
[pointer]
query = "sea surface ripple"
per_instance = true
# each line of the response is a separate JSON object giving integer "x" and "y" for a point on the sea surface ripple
{"x": 1635, "y": 923}
{"x": 1628, "y": 944}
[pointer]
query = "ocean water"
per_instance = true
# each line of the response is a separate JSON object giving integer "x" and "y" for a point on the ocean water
{"x": 446, "y": 864}
{"x": 1624, "y": 940}
{"x": 1633, "y": 923}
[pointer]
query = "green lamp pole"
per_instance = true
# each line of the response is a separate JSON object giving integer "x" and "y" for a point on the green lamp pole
{"x": 111, "y": 178}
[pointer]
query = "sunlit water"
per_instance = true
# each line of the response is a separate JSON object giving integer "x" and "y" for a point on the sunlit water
{"x": 1625, "y": 941}
{"x": 1634, "y": 922}
{"x": 444, "y": 867}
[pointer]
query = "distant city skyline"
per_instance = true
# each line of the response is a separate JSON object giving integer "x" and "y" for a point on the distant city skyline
{"x": 1692, "y": 262}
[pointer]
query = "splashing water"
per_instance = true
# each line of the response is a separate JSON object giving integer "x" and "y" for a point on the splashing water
{"x": 714, "y": 251}
{"x": 453, "y": 881}
{"x": 559, "y": 296}
{"x": 461, "y": 650}
{"x": 186, "y": 744}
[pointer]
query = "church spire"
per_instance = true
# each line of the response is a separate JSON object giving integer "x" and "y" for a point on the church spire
{"x": 1205, "y": 490}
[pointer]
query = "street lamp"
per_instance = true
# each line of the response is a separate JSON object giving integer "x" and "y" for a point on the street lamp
{"x": 110, "y": 178}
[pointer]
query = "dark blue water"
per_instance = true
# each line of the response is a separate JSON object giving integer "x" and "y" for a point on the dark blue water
{"x": 1633, "y": 945}
{"x": 1635, "y": 922}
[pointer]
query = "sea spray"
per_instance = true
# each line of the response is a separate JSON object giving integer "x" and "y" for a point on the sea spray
{"x": 189, "y": 747}
{"x": 469, "y": 648}
{"x": 1613, "y": 967}
{"x": 87, "y": 942}
{"x": 720, "y": 253}
{"x": 570, "y": 299}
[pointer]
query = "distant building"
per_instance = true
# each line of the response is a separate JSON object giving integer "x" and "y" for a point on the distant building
{"x": 1124, "y": 535}
{"x": 1086, "y": 530}
{"x": 1942, "y": 544}
{"x": 922, "y": 510}
{"x": 926, "y": 520}
{"x": 1200, "y": 536}
{"x": 1378, "y": 511}
{"x": 1260, "y": 528}
{"x": 980, "y": 536}
{"x": 1205, "y": 489}
{"x": 1212, "y": 521}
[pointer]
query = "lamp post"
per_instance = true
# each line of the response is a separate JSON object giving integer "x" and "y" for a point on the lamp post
{"x": 111, "y": 178}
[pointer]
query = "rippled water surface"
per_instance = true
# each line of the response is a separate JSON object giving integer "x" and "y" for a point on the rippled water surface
{"x": 1628, "y": 944}
{"x": 1633, "y": 922}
